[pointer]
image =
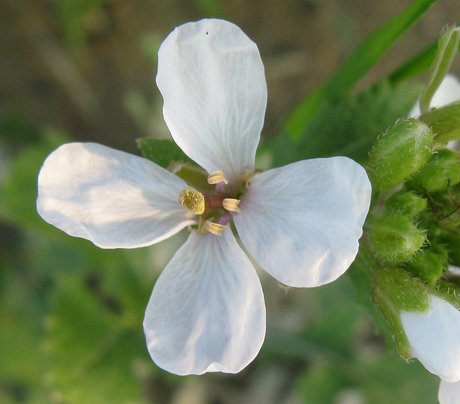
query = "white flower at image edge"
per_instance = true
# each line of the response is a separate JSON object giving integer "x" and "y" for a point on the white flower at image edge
{"x": 447, "y": 92}
{"x": 434, "y": 337}
{"x": 301, "y": 222}
{"x": 449, "y": 393}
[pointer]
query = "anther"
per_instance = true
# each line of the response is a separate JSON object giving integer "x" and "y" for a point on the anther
{"x": 231, "y": 205}
{"x": 217, "y": 177}
{"x": 214, "y": 228}
{"x": 193, "y": 200}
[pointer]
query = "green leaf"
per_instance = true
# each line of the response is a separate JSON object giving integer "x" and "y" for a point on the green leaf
{"x": 372, "y": 378}
{"x": 351, "y": 71}
{"x": 163, "y": 152}
{"x": 20, "y": 330}
{"x": 211, "y": 8}
{"x": 388, "y": 379}
{"x": 350, "y": 126}
{"x": 322, "y": 384}
{"x": 94, "y": 353}
{"x": 19, "y": 193}
{"x": 418, "y": 64}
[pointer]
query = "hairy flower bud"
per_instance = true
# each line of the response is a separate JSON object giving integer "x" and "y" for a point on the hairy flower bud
{"x": 441, "y": 171}
{"x": 395, "y": 290}
{"x": 407, "y": 203}
{"x": 399, "y": 153}
{"x": 451, "y": 241}
{"x": 429, "y": 264}
{"x": 394, "y": 237}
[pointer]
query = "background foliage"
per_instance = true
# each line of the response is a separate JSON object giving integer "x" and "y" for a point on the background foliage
{"x": 71, "y": 314}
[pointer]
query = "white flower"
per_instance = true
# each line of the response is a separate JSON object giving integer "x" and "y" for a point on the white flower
{"x": 434, "y": 337}
{"x": 447, "y": 92}
{"x": 301, "y": 222}
{"x": 449, "y": 393}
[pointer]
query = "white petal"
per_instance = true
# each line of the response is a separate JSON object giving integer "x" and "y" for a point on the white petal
{"x": 213, "y": 84}
{"x": 434, "y": 337}
{"x": 447, "y": 92}
{"x": 112, "y": 198}
{"x": 302, "y": 222}
{"x": 207, "y": 311}
{"x": 449, "y": 393}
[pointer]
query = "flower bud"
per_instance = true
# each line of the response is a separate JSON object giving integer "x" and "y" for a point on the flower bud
{"x": 429, "y": 264}
{"x": 441, "y": 170}
{"x": 446, "y": 208}
{"x": 451, "y": 242}
{"x": 444, "y": 122}
{"x": 394, "y": 238}
{"x": 399, "y": 153}
{"x": 395, "y": 290}
{"x": 403, "y": 290}
{"x": 407, "y": 203}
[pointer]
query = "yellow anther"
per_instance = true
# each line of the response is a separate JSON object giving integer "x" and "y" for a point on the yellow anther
{"x": 193, "y": 200}
{"x": 214, "y": 228}
{"x": 216, "y": 177}
{"x": 231, "y": 205}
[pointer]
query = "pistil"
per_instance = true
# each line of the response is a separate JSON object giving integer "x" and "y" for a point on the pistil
{"x": 193, "y": 200}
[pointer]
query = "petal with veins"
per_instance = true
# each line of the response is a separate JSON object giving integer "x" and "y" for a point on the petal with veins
{"x": 112, "y": 198}
{"x": 302, "y": 222}
{"x": 207, "y": 311}
{"x": 434, "y": 338}
{"x": 212, "y": 80}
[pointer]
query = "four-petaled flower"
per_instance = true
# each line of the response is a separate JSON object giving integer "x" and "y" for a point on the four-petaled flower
{"x": 435, "y": 335}
{"x": 301, "y": 222}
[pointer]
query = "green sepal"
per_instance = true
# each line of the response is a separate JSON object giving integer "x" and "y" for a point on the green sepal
{"x": 429, "y": 264}
{"x": 395, "y": 290}
{"x": 445, "y": 122}
{"x": 405, "y": 292}
{"x": 407, "y": 203}
{"x": 193, "y": 175}
{"x": 394, "y": 238}
{"x": 441, "y": 171}
{"x": 163, "y": 152}
{"x": 399, "y": 153}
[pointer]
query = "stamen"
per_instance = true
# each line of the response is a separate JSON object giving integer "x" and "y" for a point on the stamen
{"x": 214, "y": 228}
{"x": 193, "y": 200}
{"x": 216, "y": 178}
{"x": 231, "y": 205}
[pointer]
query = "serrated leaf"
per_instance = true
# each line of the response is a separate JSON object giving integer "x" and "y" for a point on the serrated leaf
{"x": 354, "y": 68}
{"x": 94, "y": 354}
{"x": 349, "y": 127}
{"x": 163, "y": 152}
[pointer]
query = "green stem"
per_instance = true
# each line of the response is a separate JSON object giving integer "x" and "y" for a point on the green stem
{"x": 447, "y": 48}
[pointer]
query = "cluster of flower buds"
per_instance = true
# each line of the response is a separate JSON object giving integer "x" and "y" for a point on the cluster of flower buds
{"x": 413, "y": 236}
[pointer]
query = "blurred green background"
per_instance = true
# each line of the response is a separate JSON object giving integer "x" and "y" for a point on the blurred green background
{"x": 70, "y": 313}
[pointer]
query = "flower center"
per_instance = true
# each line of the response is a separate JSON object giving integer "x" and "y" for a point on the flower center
{"x": 193, "y": 200}
{"x": 215, "y": 207}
